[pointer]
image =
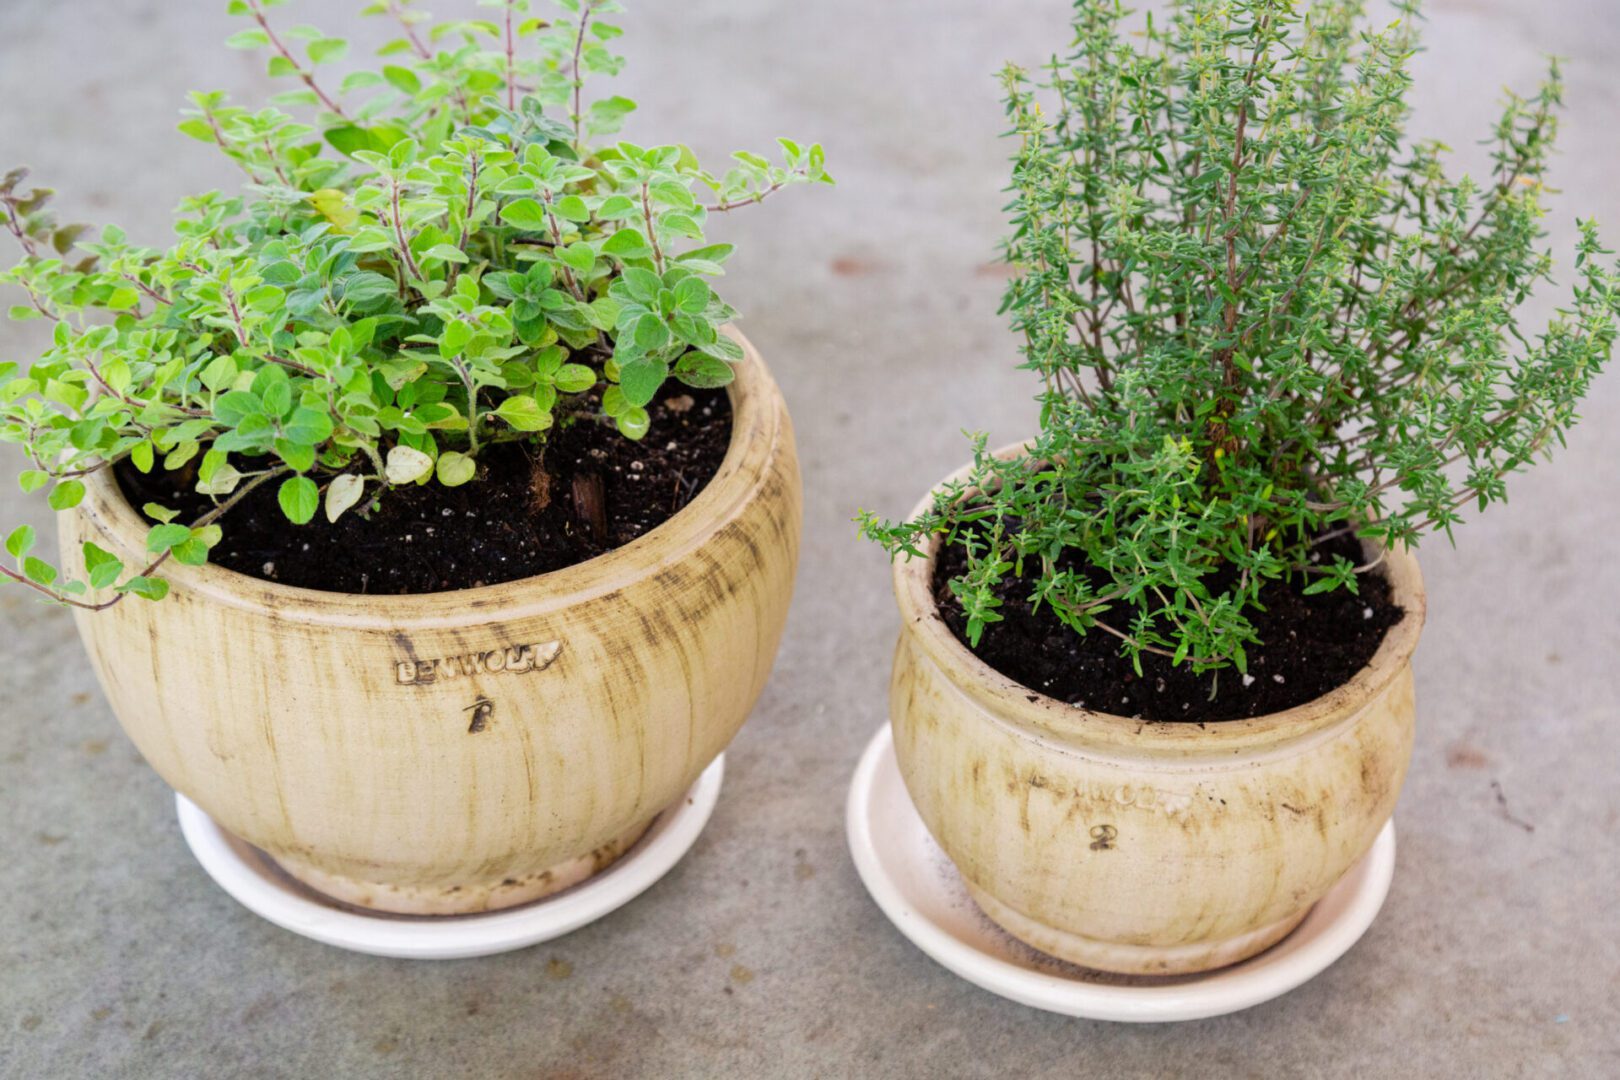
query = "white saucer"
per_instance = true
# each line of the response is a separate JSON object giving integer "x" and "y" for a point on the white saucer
{"x": 263, "y": 888}
{"x": 922, "y": 893}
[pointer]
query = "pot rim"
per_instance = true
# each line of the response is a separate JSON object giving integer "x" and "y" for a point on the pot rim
{"x": 759, "y": 425}
{"x": 1011, "y": 701}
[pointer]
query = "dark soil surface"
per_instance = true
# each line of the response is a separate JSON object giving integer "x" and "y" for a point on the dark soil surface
{"x": 1312, "y": 644}
{"x": 594, "y": 492}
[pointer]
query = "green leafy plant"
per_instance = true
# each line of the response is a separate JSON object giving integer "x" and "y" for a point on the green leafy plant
{"x": 1262, "y": 319}
{"x": 453, "y": 255}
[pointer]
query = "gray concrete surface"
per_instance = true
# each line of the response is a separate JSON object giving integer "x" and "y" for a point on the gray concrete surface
{"x": 1497, "y": 955}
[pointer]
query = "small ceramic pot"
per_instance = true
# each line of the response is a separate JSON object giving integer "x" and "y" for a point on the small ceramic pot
{"x": 464, "y": 751}
{"x": 1145, "y": 848}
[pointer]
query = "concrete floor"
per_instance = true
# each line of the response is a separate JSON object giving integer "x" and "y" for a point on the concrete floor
{"x": 1498, "y": 953}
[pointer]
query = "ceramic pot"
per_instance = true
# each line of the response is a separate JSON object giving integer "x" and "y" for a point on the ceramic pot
{"x": 472, "y": 750}
{"x": 1145, "y": 848}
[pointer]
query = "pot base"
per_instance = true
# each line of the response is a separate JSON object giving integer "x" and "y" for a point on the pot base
{"x": 1121, "y": 959}
{"x": 466, "y": 899}
{"x": 250, "y": 877}
{"x": 923, "y": 894}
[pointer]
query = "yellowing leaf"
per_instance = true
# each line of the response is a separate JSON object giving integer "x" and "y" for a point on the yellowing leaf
{"x": 333, "y": 205}
{"x": 342, "y": 494}
{"x": 406, "y": 466}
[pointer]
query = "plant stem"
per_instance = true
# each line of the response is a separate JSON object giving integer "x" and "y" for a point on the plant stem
{"x": 585, "y": 9}
{"x": 303, "y": 73}
{"x": 405, "y": 255}
{"x": 557, "y": 242}
{"x": 151, "y": 568}
{"x": 652, "y": 227}
{"x": 511, "y": 66}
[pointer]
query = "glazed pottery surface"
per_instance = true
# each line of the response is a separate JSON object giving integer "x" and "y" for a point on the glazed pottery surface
{"x": 471, "y": 750}
{"x": 1137, "y": 847}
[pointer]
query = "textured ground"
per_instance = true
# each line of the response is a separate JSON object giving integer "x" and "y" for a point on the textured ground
{"x": 1498, "y": 953}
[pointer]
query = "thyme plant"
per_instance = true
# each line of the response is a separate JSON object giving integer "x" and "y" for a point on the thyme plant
{"x": 1262, "y": 319}
{"x": 453, "y": 253}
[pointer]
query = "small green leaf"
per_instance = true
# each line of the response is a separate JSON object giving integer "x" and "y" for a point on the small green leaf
{"x": 350, "y": 139}
{"x": 264, "y": 298}
{"x": 402, "y": 79}
{"x": 526, "y": 214}
{"x": 192, "y": 552}
{"x": 298, "y": 456}
{"x": 704, "y": 372}
{"x": 359, "y": 80}
{"x": 572, "y": 208}
{"x": 446, "y": 253}
{"x": 651, "y": 333}
{"x": 725, "y": 349}
{"x": 276, "y": 394}
{"x": 71, "y": 394}
{"x": 21, "y": 541}
{"x": 642, "y": 285}
{"x": 327, "y": 49}
{"x": 456, "y": 469}
{"x": 574, "y": 378}
{"x": 524, "y": 413}
{"x": 299, "y": 499}
{"x": 641, "y": 378}
{"x": 454, "y": 338}
{"x": 692, "y": 296}
{"x": 248, "y": 39}
{"x": 607, "y": 114}
{"x": 197, "y": 128}
{"x": 231, "y": 408}
{"x": 164, "y": 537}
{"x": 31, "y": 480}
{"x": 714, "y": 253}
{"x": 311, "y": 427}
{"x": 219, "y": 373}
{"x": 102, "y": 567}
{"x": 181, "y": 454}
{"x": 146, "y": 588}
{"x": 66, "y": 495}
{"x": 633, "y": 423}
{"x": 580, "y": 256}
{"x": 159, "y": 513}
{"x": 627, "y": 244}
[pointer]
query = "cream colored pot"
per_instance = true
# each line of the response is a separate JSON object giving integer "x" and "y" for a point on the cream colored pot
{"x": 462, "y": 751}
{"x": 1145, "y": 848}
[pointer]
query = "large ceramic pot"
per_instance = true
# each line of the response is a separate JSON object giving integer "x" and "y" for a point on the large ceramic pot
{"x": 471, "y": 750}
{"x": 1137, "y": 847}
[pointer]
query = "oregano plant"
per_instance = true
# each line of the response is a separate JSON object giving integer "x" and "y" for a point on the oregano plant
{"x": 1262, "y": 319}
{"x": 447, "y": 253}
